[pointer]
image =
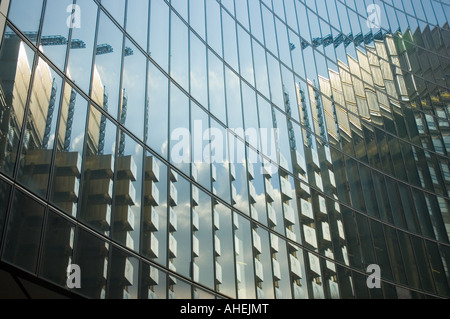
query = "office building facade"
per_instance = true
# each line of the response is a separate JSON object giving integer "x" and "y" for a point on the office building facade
{"x": 248, "y": 149}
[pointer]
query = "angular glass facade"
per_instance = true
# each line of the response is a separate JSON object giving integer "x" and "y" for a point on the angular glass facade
{"x": 241, "y": 149}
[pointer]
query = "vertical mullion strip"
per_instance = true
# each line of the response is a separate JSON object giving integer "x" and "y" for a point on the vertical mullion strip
{"x": 169, "y": 109}
{"x": 6, "y": 219}
{"x": 89, "y": 109}
{"x": 119, "y": 129}
{"x": 30, "y": 90}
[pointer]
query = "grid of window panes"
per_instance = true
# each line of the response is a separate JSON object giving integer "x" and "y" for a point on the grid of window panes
{"x": 330, "y": 122}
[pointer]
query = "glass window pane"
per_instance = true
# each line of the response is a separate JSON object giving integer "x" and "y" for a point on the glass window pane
{"x": 198, "y": 293}
{"x": 91, "y": 255}
{"x": 220, "y": 173}
{"x": 224, "y": 251}
{"x": 23, "y": 232}
{"x": 159, "y": 33}
{"x": 180, "y": 233}
{"x": 199, "y": 87}
{"x": 234, "y": 109}
{"x": 266, "y": 126}
{"x": 179, "y": 57}
{"x": 16, "y": 62}
{"x": 69, "y": 151}
{"x": 250, "y": 116}
{"x": 213, "y": 25}
{"x": 229, "y": 40}
{"x": 216, "y": 87}
{"x": 439, "y": 274}
{"x": 154, "y": 214}
{"x": 263, "y": 263}
{"x": 242, "y": 13}
{"x": 82, "y": 46}
{"x": 244, "y": 258}
{"x": 5, "y": 191}
{"x": 128, "y": 190}
{"x": 276, "y": 87}
{"x": 256, "y": 186}
{"x": 202, "y": 240}
{"x": 284, "y": 147}
{"x": 255, "y": 19}
{"x": 123, "y": 283}
{"x": 180, "y": 146}
{"x": 202, "y": 145}
{"x": 269, "y": 31}
{"x": 55, "y": 32}
{"x": 238, "y": 170}
{"x": 57, "y": 252}
{"x": 197, "y": 16}
{"x": 245, "y": 56}
{"x": 99, "y": 168}
{"x": 157, "y": 112}
{"x": 39, "y": 138}
{"x": 26, "y": 16}
{"x": 108, "y": 61}
{"x": 280, "y": 265}
{"x": 116, "y": 8}
{"x": 259, "y": 58}
{"x": 179, "y": 289}
{"x": 137, "y": 18}
{"x": 152, "y": 282}
{"x": 133, "y": 103}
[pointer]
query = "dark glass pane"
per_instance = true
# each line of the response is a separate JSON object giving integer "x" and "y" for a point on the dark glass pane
{"x": 179, "y": 289}
{"x": 57, "y": 253}
{"x": 23, "y": 233}
{"x": 5, "y": 191}
{"x": 152, "y": 282}
{"x": 91, "y": 255}
{"x": 124, "y": 281}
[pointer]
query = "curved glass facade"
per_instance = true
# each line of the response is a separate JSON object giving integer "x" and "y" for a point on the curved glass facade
{"x": 227, "y": 149}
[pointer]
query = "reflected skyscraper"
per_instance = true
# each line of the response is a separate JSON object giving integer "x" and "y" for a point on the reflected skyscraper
{"x": 249, "y": 149}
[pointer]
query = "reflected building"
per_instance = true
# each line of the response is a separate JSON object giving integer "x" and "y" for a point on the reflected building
{"x": 356, "y": 173}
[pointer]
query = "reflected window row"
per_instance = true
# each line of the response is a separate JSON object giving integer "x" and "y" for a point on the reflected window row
{"x": 109, "y": 54}
{"x": 128, "y": 98}
{"x": 263, "y": 265}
